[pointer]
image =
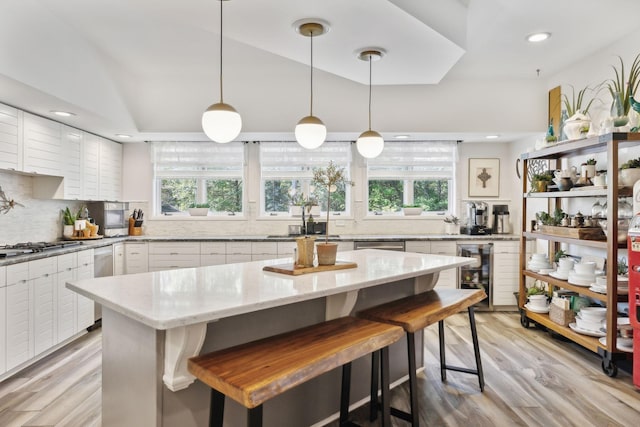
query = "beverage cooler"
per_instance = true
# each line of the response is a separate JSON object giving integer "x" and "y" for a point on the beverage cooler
{"x": 479, "y": 274}
{"x": 633, "y": 246}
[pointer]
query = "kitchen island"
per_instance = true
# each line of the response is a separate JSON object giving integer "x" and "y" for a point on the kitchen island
{"x": 153, "y": 322}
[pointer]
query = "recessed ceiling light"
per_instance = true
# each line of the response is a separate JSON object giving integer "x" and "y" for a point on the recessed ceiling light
{"x": 62, "y": 113}
{"x": 122, "y": 135}
{"x": 401, "y": 136}
{"x": 538, "y": 37}
{"x": 492, "y": 136}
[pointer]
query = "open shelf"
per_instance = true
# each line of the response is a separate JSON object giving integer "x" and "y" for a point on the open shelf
{"x": 586, "y": 341}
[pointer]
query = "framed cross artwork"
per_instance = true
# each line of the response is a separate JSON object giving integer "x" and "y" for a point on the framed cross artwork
{"x": 484, "y": 177}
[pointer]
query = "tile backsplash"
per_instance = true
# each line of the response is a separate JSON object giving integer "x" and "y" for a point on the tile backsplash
{"x": 39, "y": 220}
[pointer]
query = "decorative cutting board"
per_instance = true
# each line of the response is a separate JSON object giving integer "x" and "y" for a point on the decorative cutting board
{"x": 584, "y": 233}
{"x": 297, "y": 271}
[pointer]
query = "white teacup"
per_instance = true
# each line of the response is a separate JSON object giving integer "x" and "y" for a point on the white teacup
{"x": 585, "y": 268}
{"x": 538, "y": 301}
{"x": 601, "y": 280}
{"x": 565, "y": 263}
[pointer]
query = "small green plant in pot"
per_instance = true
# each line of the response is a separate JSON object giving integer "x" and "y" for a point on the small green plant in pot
{"x": 629, "y": 172}
{"x": 329, "y": 178}
{"x": 199, "y": 209}
{"x": 539, "y": 182}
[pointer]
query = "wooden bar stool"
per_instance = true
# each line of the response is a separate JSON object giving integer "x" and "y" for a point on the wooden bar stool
{"x": 414, "y": 313}
{"x": 254, "y": 372}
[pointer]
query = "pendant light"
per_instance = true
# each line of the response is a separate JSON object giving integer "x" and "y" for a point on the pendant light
{"x": 310, "y": 131}
{"x": 370, "y": 143}
{"x": 221, "y": 122}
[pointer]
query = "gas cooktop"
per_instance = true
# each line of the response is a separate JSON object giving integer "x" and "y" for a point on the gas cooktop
{"x": 31, "y": 247}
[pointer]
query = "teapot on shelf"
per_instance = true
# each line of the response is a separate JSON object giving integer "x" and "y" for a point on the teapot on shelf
{"x": 571, "y": 173}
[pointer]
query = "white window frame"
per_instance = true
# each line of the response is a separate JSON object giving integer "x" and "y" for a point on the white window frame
{"x": 213, "y": 163}
{"x": 339, "y": 152}
{"x": 397, "y": 154}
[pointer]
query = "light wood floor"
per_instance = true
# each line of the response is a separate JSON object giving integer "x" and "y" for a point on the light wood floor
{"x": 531, "y": 379}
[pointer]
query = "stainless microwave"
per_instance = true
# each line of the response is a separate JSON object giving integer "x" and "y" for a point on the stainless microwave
{"x": 112, "y": 217}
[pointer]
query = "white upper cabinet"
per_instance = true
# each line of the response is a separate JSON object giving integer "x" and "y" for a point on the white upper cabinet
{"x": 10, "y": 138}
{"x": 42, "y": 145}
{"x": 110, "y": 182}
{"x": 71, "y": 166}
{"x": 90, "y": 170}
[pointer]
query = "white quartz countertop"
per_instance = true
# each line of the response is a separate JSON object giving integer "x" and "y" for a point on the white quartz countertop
{"x": 173, "y": 298}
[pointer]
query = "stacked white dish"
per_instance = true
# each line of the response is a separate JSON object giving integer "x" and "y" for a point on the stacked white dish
{"x": 565, "y": 265}
{"x": 600, "y": 286}
{"x": 539, "y": 262}
{"x": 590, "y": 321}
{"x": 538, "y": 303}
{"x": 583, "y": 274}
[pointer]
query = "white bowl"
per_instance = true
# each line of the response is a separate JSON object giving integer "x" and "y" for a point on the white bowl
{"x": 588, "y": 324}
{"x": 601, "y": 280}
{"x": 566, "y": 263}
{"x": 593, "y": 314}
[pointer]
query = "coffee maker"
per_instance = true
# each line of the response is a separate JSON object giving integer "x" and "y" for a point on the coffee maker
{"x": 501, "y": 223}
{"x": 477, "y": 219}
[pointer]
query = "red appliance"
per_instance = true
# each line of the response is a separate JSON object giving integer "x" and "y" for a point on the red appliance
{"x": 633, "y": 246}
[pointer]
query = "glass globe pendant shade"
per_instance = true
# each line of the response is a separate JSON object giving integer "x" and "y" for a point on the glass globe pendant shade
{"x": 370, "y": 144}
{"x": 310, "y": 132}
{"x": 221, "y": 122}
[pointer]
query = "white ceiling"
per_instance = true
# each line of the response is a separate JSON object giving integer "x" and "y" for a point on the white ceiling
{"x": 150, "y": 67}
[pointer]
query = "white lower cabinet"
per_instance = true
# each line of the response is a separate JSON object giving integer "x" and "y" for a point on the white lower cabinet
{"x": 19, "y": 339}
{"x": 43, "y": 281}
{"x": 118, "y": 259}
{"x": 84, "y": 305}
{"x": 172, "y": 255}
{"x": 447, "y": 278}
{"x": 238, "y": 252}
{"x": 3, "y": 320}
{"x": 66, "y": 298}
{"x": 264, "y": 250}
{"x": 506, "y": 272}
{"x": 212, "y": 253}
{"x": 136, "y": 257}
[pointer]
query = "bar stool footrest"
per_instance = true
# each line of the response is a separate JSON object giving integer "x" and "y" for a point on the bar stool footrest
{"x": 460, "y": 369}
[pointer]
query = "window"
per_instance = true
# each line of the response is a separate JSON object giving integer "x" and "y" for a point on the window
{"x": 412, "y": 173}
{"x": 286, "y": 173}
{"x": 188, "y": 174}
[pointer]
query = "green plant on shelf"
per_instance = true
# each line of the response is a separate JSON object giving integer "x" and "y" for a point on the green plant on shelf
{"x": 591, "y": 162}
{"x": 622, "y": 266}
{"x": 550, "y": 219}
{"x": 199, "y": 205}
{"x": 538, "y": 288}
{"x": 631, "y": 164}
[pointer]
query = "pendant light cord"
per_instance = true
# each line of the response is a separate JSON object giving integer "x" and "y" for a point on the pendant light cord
{"x": 370, "y": 92}
{"x": 311, "y": 90}
{"x": 221, "y": 1}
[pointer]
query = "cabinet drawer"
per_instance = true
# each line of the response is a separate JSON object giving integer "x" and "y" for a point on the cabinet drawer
{"x": 264, "y": 248}
{"x": 239, "y": 248}
{"x": 85, "y": 257}
{"x": 3, "y": 279}
{"x": 67, "y": 262}
{"x": 443, "y": 248}
{"x": 447, "y": 279}
{"x": 174, "y": 248}
{"x": 509, "y": 247}
{"x": 212, "y": 259}
{"x": 423, "y": 247}
{"x": 43, "y": 267}
{"x": 345, "y": 246}
{"x": 136, "y": 250}
{"x": 17, "y": 273}
{"x": 170, "y": 261}
{"x": 233, "y": 258}
{"x": 286, "y": 248}
{"x": 213, "y": 248}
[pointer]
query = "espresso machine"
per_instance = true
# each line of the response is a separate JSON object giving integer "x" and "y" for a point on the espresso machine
{"x": 477, "y": 219}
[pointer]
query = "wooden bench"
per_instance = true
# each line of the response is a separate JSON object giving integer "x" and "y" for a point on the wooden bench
{"x": 254, "y": 372}
{"x": 413, "y": 314}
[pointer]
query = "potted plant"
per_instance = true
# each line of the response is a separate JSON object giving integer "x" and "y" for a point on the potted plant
{"x": 540, "y": 181}
{"x": 199, "y": 209}
{"x": 68, "y": 221}
{"x": 629, "y": 172}
{"x": 451, "y": 225}
{"x": 578, "y": 122}
{"x": 588, "y": 168}
{"x": 622, "y": 89}
{"x": 329, "y": 178}
{"x": 412, "y": 209}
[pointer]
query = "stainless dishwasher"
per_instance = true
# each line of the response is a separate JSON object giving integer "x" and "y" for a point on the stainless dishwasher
{"x": 102, "y": 267}
{"x": 389, "y": 245}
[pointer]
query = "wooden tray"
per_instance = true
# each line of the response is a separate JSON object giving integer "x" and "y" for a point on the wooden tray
{"x": 297, "y": 271}
{"x": 98, "y": 236}
{"x": 584, "y": 233}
